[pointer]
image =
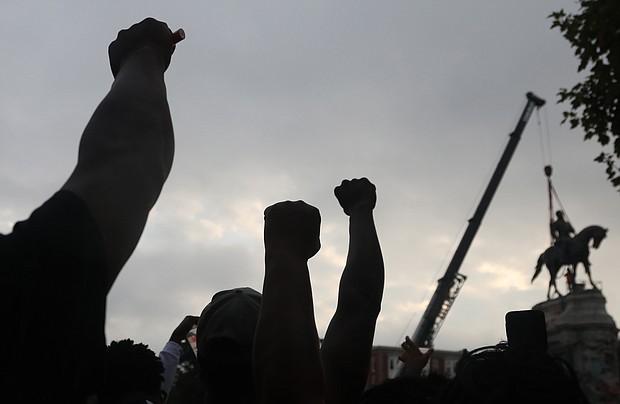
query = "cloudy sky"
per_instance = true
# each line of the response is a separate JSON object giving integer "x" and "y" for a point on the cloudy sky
{"x": 279, "y": 100}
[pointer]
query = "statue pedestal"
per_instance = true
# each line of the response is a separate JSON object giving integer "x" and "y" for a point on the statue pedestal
{"x": 580, "y": 331}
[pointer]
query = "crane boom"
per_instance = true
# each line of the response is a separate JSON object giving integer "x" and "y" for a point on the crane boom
{"x": 450, "y": 284}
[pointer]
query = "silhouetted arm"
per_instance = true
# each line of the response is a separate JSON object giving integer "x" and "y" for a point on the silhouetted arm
{"x": 171, "y": 354}
{"x": 127, "y": 147}
{"x": 347, "y": 346}
{"x": 287, "y": 366}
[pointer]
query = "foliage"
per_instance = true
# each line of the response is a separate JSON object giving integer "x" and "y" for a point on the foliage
{"x": 594, "y": 33}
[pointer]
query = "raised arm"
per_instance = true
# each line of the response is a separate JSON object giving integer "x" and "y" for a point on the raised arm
{"x": 287, "y": 367}
{"x": 348, "y": 341}
{"x": 171, "y": 354}
{"x": 127, "y": 147}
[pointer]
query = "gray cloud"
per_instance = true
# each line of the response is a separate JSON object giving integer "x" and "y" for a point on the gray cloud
{"x": 282, "y": 100}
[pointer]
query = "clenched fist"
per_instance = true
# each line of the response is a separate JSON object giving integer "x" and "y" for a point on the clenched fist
{"x": 148, "y": 33}
{"x": 292, "y": 227}
{"x": 356, "y": 194}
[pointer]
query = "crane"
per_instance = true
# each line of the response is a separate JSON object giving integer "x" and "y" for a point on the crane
{"x": 452, "y": 281}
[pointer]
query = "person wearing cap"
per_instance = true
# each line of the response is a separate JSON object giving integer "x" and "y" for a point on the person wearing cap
{"x": 224, "y": 340}
{"x": 289, "y": 364}
{"x": 59, "y": 264}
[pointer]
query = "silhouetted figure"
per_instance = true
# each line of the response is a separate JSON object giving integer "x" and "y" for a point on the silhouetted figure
{"x": 133, "y": 374}
{"x": 59, "y": 264}
{"x": 518, "y": 371}
{"x": 412, "y": 388}
{"x": 504, "y": 375}
{"x": 289, "y": 366}
{"x": 561, "y": 231}
{"x": 405, "y": 390}
{"x": 225, "y": 339}
{"x": 171, "y": 353}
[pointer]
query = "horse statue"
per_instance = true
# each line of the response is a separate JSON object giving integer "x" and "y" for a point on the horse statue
{"x": 576, "y": 250}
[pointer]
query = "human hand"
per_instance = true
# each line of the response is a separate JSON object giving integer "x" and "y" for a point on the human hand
{"x": 413, "y": 359}
{"x": 183, "y": 328}
{"x": 355, "y": 194}
{"x": 292, "y": 228}
{"x": 149, "y": 33}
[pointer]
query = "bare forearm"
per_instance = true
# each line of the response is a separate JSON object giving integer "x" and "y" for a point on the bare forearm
{"x": 135, "y": 117}
{"x": 362, "y": 281}
{"x": 286, "y": 359}
{"x": 125, "y": 156}
{"x": 348, "y": 340}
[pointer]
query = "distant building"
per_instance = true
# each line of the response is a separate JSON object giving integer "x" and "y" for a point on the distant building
{"x": 384, "y": 363}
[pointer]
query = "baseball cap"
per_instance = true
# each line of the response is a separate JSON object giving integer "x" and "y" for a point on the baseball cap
{"x": 226, "y": 328}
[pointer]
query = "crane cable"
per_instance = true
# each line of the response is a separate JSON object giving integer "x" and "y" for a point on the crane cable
{"x": 545, "y": 146}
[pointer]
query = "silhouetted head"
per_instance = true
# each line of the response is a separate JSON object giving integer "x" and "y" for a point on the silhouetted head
{"x": 501, "y": 374}
{"x": 405, "y": 390}
{"x": 560, "y": 215}
{"x": 132, "y": 373}
{"x": 224, "y": 339}
{"x": 599, "y": 236}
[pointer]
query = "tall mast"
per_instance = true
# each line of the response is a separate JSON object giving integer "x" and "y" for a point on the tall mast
{"x": 449, "y": 286}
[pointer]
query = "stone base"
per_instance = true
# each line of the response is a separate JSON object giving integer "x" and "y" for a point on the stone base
{"x": 581, "y": 332}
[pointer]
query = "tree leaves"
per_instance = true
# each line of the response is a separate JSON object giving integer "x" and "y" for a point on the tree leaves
{"x": 594, "y": 33}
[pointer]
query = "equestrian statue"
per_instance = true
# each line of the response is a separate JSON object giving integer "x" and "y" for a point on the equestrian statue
{"x": 568, "y": 249}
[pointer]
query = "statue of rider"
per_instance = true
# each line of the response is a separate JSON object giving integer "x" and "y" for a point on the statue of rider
{"x": 561, "y": 232}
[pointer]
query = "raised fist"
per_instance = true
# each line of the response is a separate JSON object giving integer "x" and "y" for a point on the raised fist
{"x": 148, "y": 33}
{"x": 357, "y": 193}
{"x": 292, "y": 227}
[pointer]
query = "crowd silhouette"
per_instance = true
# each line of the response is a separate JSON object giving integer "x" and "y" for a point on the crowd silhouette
{"x": 253, "y": 347}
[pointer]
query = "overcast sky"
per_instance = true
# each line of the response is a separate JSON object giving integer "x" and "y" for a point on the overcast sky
{"x": 277, "y": 100}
